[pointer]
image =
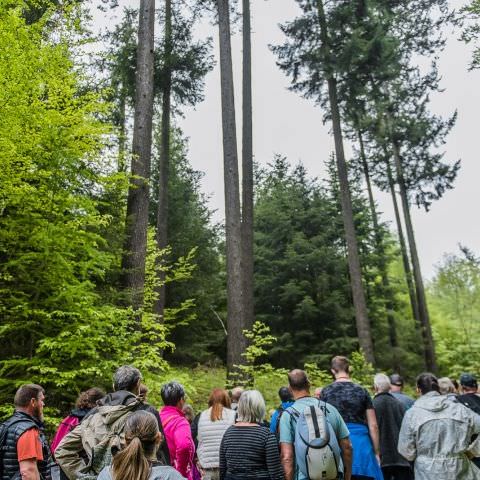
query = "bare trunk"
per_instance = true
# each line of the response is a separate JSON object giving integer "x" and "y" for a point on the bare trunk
{"x": 355, "y": 269}
{"x": 380, "y": 246}
{"x": 236, "y": 341}
{"x": 403, "y": 248}
{"x": 164, "y": 162}
{"x": 122, "y": 133}
{"x": 430, "y": 360}
{"x": 133, "y": 262}
{"x": 247, "y": 172}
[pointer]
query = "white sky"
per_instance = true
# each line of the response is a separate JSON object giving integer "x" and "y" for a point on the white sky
{"x": 287, "y": 124}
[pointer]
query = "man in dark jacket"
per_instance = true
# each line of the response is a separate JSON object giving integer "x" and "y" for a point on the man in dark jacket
{"x": 470, "y": 397}
{"x": 25, "y": 450}
{"x": 390, "y": 414}
{"x": 105, "y": 421}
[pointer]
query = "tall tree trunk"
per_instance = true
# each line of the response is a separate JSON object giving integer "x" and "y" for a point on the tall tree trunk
{"x": 247, "y": 172}
{"x": 122, "y": 132}
{"x": 429, "y": 346}
{"x": 360, "y": 305}
{"x": 133, "y": 262}
{"x": 164, "y": 163}
{"x": 236, "y": 341}
{"x": 404, "y": 251}
{"x": 380, "y": 247}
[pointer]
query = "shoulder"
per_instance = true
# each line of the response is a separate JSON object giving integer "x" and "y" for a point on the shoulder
{"x": 163, "y": 472}
{"x": 105, "y": 474}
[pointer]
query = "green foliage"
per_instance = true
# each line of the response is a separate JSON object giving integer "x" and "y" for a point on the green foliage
{"x": 471, "y": 32}
{"x": 454, "y": 295}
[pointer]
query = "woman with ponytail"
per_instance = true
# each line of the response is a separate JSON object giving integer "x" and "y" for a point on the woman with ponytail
{"x": 137, "y": 460}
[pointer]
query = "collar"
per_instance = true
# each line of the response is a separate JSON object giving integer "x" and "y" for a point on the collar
{"x": 35, "y": 420}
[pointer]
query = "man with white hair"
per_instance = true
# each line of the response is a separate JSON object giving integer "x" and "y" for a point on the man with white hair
{"x": 390, "y": 414}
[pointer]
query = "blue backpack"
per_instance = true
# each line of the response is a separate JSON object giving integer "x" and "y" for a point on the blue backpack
{"x": 317, "y": 451}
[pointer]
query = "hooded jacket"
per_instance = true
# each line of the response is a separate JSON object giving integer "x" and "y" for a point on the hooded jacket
{"x": 110, "y": 414}
{"x": 436, "y": 434}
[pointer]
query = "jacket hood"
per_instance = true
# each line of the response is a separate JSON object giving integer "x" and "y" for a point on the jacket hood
{"x": 433, "y": 402}
{"x": 79, "y": 412}
{"x": 115, "y": 405}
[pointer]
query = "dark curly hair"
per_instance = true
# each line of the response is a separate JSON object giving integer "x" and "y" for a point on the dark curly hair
{"x": 89, "y": 398}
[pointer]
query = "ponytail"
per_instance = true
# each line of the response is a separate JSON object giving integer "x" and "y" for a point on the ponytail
{"x": 131, "y": 462}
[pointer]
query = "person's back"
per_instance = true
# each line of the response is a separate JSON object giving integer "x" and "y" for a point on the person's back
{"x": 212, "y": 425}
{"x": 396, "y": 390}
{"x": 137, "y": 460}
{"x": 437, "y": 434}
{"x": 287, "y": 401}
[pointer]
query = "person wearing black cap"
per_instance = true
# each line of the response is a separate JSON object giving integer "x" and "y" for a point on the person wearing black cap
{"x": 470, "y": 397}
{"x": 396, "y": 390}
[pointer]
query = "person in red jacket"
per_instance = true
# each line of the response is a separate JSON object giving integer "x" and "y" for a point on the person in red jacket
{"x": 177, "y": 429}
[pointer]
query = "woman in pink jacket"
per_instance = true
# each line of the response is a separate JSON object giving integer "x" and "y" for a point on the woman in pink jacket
{"x": 177, "y": 429}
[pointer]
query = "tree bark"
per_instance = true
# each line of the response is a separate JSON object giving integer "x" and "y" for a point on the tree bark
{"x": 247, "y": 172}
{"x": 429, "y": 346}
{"x": 380, "y": 246}
{"x": 236, "y": 341}
{"x": 403, "y": 248}
{"x": 133, "y": 262}
{"x": 358, "y": 293}
{"x": 164, "y": 162}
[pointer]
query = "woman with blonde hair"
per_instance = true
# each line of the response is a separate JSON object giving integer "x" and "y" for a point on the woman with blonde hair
{"x": 212, "y": 425}
{"x": 137, "y": 461}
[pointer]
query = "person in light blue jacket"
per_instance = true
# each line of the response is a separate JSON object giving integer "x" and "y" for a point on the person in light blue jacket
{"x": 287, "y": 401}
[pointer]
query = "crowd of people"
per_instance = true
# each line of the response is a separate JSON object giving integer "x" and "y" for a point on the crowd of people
{"x": 339, "y": 432}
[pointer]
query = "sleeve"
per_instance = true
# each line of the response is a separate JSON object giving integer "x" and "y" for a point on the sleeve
{"x": 406, "y": 441}
{"x": 272, "y": 454}
{"x": 337, "y": 422}
{"x": 184, "y": 445}
{"x": 286, "y": 431}
{"x": 68, "y": 451}
{"x": 368, "y": 401}
{"x": 223, "y": 457}
{"x": 29, "y": 446}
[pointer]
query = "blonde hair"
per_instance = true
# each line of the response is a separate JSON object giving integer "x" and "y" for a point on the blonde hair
{"x": 141, "y": 436}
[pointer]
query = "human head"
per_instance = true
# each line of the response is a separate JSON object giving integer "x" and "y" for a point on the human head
{"x": 298, "y": 382}
{"x": 127, "y": 378}
{"x": 251, "y": 407}
{"x": 427, "y": 382}
{"x": 318, "y": 392}
{"x": 173, "y": 394}
{"x": 469, "y": 383}
{"x": 189, "y": 412}
{"x": 30, "y": 399}
{"x": 217, "y": 401}
{"x": 142, "y": 392}
{"x": 381, "y": 383}
{"x": 340, "y": 366}
{"x": 236, "y": 394}
{"x": 142, "y": 439}
{"x": 88, "y": 399}
{"x": 396, "y": 382}
{"x": 446, "y": 386}
{"x": 285, "y": 394}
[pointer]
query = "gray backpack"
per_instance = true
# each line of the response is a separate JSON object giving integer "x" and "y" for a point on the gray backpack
{"x": 317, "y": 450}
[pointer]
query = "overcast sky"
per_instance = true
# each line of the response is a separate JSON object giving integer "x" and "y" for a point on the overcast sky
{"x": 285, "y": 123}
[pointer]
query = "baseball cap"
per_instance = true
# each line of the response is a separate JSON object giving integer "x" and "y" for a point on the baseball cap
{"x": 468, "y": 380}
{"x": 396, "y": 379}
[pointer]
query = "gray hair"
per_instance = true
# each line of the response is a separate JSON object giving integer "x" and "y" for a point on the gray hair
{"x": 126, "y": 378}
{"x": 251, "y": 407}
{"x": 382, "y": 382}
{"x": 172, "y": 393}
{"x": 446, "y": 386}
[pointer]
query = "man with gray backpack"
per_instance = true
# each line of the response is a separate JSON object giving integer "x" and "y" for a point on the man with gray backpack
{"x": 314, "y": 439}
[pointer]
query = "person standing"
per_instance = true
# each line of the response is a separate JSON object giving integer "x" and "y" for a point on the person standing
{"x": 248, "y": 449}
{"x": 470, "y": 397}
{"x": 390, "y": 413}
{"x": 212, "y": 425}
{"x": 355, "y": 406}
{"x": 26, "y": 453}
{"x": 300, "y": 387}
{"x": 286, "y": 401}
{"x": 397, "y": 390}
{"x": 437, "y": 433}
{"x": 177, "y": 429}
{"x": 235, "y": 397}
